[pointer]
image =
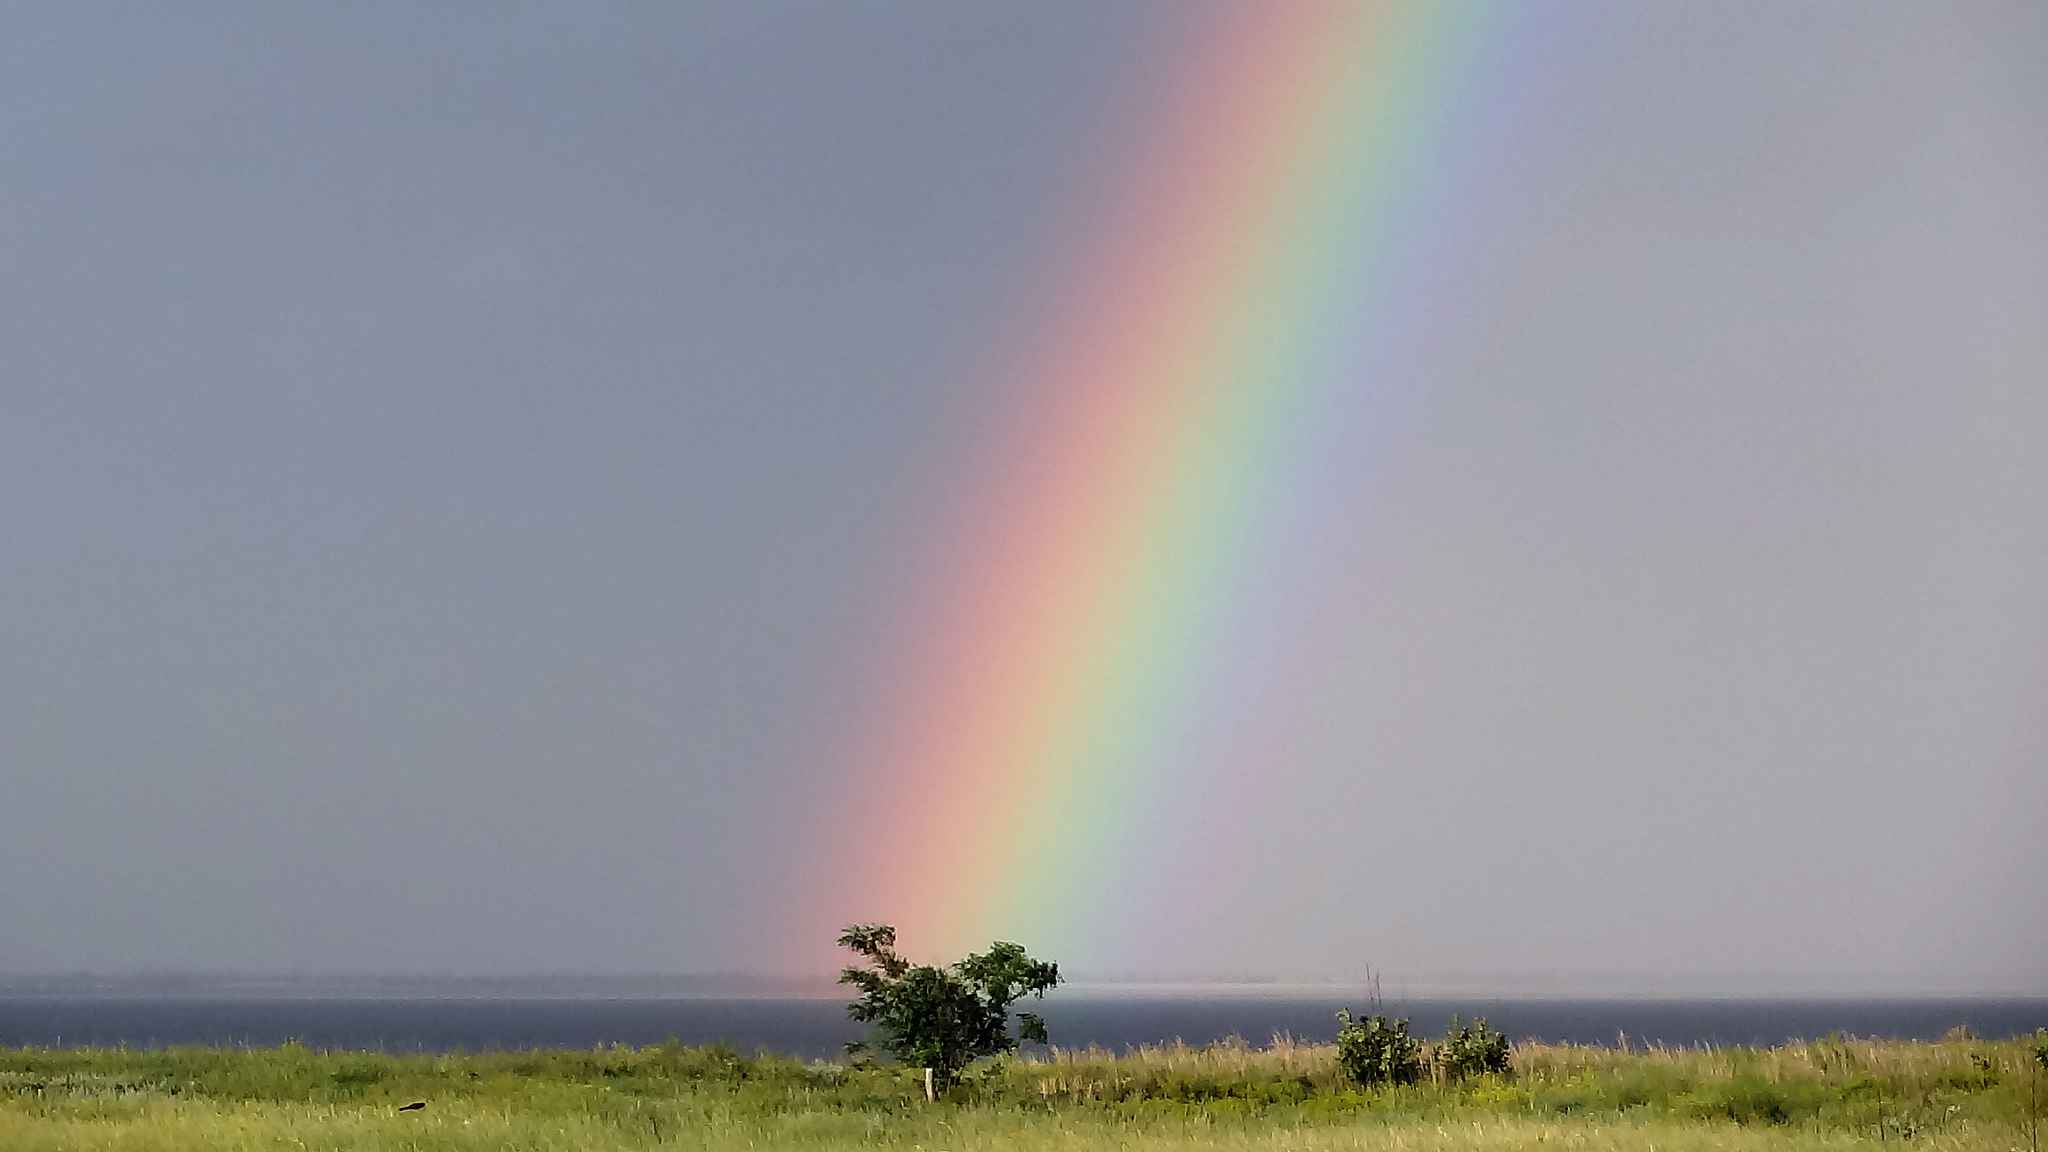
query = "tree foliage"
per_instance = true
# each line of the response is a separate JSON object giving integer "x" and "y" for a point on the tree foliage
{"x": 1472, "y": 1050}
{"x": 944, "y": 1018}
{"x": 1377, "y": 1050}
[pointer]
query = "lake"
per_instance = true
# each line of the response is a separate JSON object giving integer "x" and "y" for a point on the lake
{"x": 814, "y": 1028}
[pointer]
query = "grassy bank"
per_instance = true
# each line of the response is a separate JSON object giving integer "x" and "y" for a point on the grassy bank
{"x": 1957, "y": 1094}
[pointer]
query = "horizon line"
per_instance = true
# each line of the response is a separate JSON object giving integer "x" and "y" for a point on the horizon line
{"x": 823, "y": 986}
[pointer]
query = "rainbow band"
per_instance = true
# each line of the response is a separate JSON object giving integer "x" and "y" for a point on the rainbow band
{"x": 1104, "y": 576}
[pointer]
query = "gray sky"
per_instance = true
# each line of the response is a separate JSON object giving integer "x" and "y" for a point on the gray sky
{"x": 455, "y": 459}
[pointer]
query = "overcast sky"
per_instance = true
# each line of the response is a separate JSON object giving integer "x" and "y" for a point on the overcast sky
{"x": 453, "y": 460}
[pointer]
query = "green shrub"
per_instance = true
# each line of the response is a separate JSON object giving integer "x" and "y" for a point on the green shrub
{"x": 1378, "y": 1050}
{"x": 1751, "y": 1099}
{"x": 1473, "y": 1050}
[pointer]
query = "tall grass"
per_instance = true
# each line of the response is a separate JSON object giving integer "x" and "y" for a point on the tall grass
{"x": 1960, "y": 1094}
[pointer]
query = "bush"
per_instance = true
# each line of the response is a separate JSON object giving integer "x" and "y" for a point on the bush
{"x": 1473, "y": 1050}
{"x": 1378, "y": 1050}
{"x": 1752, "y": 1099}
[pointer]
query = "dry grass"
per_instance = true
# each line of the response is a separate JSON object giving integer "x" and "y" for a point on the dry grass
{"x": 1958, "y": 1095}
{"x": 166, "y": 1126}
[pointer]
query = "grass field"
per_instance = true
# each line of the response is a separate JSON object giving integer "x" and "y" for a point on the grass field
{"x": 1957, "y": 1094}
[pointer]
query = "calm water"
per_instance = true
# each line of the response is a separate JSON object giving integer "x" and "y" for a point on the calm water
{"x": 817, "y": 1028}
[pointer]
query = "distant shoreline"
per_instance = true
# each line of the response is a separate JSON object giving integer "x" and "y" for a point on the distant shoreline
{"x": 745, "y": 987}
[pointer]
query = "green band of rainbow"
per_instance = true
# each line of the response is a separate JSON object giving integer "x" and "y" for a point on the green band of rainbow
{"x": 1105, "y": 565}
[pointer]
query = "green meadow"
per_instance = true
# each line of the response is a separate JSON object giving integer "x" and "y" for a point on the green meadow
{"x": 1959, "y": 1093}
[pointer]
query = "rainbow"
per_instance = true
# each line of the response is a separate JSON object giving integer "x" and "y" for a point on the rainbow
{"x": 1086, "y": 666}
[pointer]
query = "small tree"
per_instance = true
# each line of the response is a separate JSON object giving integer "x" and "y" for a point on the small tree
{"x": 944, "y": 1018}
{"x": 1378, "y": 1050}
